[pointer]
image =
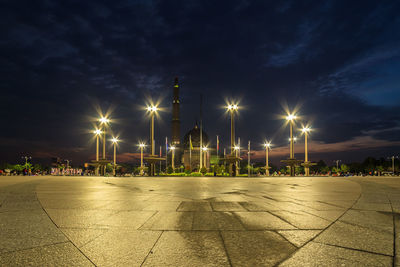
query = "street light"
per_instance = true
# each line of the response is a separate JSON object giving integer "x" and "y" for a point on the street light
{"x": 237, "y": 150}
{"x": 152, "y": 110}
{"x": 104, "y": 121}
{"x": 26, "y": 159}
{"x": 392, "y": 158}
{"x": 115, "y": 140}
{"x": 291, "y": 118}
{"x": 172, "y": 148}
{"x": 232, "y": 108}
{"x": 205, "y": 150}
{"x": 337, "y": 164}
{"x": 141, "y": 146}
{"x": 267, "y": 146}
{"x": 305, "y": 131}
{"x": 97, "y": 133}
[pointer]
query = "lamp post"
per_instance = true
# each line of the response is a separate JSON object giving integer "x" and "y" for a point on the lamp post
{"x": 141, "y": 146}
{"x": 173, "y": 157}
{"x": 205, "y": 151}
{"x": 152, "y": 110}
{"x": 26, "y": 159}
{"x": 104, "y": 121}
{"x": 232, "y": 108}
{"x": 97, "y": 132}
{"x": 337, "y": 163}
{"x": 290, "y": 118}
{"x": 115, "y": 141}
{"x": 267, "y": 146}
{"x": 236, "y": 150}
{"x": 305, "y": 131}
{"x": 248, "y": 159}
{"x": 392, "y": 158}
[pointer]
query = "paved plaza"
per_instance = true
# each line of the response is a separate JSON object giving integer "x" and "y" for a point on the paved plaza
{"x": 85, "y": 221}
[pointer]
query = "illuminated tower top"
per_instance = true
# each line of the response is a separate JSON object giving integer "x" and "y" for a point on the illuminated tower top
{"x": 175, "y": 115}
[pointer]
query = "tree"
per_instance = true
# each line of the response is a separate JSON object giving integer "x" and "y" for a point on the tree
{"x": 380, "y": 169}
{"x": 37, "y": 167}
{"x": 18, "y": 168}
{"x": 319, "y": 167}
{"x": 325, "y": 169}
{"x": 27, "y": 166}
{"x": 344, "y": 168}
{"x": 203, "y": 170}
{"x": 335, "y": 170}
{"x": 170, "y": 170}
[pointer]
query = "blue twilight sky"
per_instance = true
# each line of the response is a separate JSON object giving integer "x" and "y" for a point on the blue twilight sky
{"x": 336, "y": 62}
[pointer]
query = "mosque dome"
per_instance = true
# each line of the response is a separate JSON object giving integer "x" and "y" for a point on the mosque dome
{"x": 195, "y": 135}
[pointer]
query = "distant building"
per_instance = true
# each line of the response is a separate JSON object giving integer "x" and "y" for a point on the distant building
{"x": 191, "y": 156}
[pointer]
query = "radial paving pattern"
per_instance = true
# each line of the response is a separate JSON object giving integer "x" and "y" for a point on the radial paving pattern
{"x": 199, "y": 221}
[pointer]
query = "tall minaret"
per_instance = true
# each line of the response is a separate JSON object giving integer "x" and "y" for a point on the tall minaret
{"x": 176, "y": 123}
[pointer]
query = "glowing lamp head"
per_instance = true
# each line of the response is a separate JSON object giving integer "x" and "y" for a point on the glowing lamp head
{"x": 204, "y": 148}
{"x": 236, "y": 147}
{"x": 172, "y": 148}
{"x": 104, "y": 120}
{"x": 291, "y": 117}
{"x": 97, "y": 132}
{"x": 267, "y": 145}
{"x": 114, "y": 140}
{"x": 142, "y": 145}
{"x": 306, "y": 129}
{"x": 232, "y": 107}
{"x": 152, "y": 108}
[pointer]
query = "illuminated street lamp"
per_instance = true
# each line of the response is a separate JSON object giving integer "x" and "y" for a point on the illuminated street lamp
{"x": 305, "y": 131}
{"x": 236, "y": 151}
{"x": 290, "y": 118}
{"x": 205, "y": 150}
{"x": 115, "y": 141}
{"x": 172, "y": 148}
{"x": 291, "y": 162}
{"x": 232, "y": 158}
{"x": 141, "y": 146}
{"x": 152, "y": 110}
{"x": 104, "y": 121}
{"x": 267, "y": 146}
{"x": 97, "y": 132}
{"x": 232, "y": 109}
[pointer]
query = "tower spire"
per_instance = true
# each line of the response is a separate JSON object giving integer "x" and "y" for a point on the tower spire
{"x": 176, "y": 123}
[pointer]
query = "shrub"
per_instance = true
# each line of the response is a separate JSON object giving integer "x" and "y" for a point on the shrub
{"x": 170, "y": 170}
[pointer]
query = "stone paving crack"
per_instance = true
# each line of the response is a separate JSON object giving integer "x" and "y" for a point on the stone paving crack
{"x": 63, "y": 232}
{"x": 226, "y": 251}
{"x": 151, "y": 250}
{"x": 312, "y": 239}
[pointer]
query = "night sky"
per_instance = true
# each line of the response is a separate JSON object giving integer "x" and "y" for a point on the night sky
{"x": 336, "y": 62}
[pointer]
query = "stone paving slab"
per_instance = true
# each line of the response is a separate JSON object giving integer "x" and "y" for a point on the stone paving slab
{"x": 315, "y": 254}
{"x": 121, "y": 248}
{"x": 208, "y": 221}
{"x": 256, "y": 248}
{"x": 299, "y": 237}
{"x": 169, "y": 221}
{"x": 356, "y": 237}
{"x": 188, "y": 248}
{"x": 199, "y": 221}
{"x": 262, "y": 221}
{"x": 64, "y": 254}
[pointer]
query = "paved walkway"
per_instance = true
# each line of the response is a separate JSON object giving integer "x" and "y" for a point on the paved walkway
{"x": 82, "y": 221}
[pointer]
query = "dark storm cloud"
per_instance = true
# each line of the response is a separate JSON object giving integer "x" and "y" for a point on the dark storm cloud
{"x": 59, "y": 58}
